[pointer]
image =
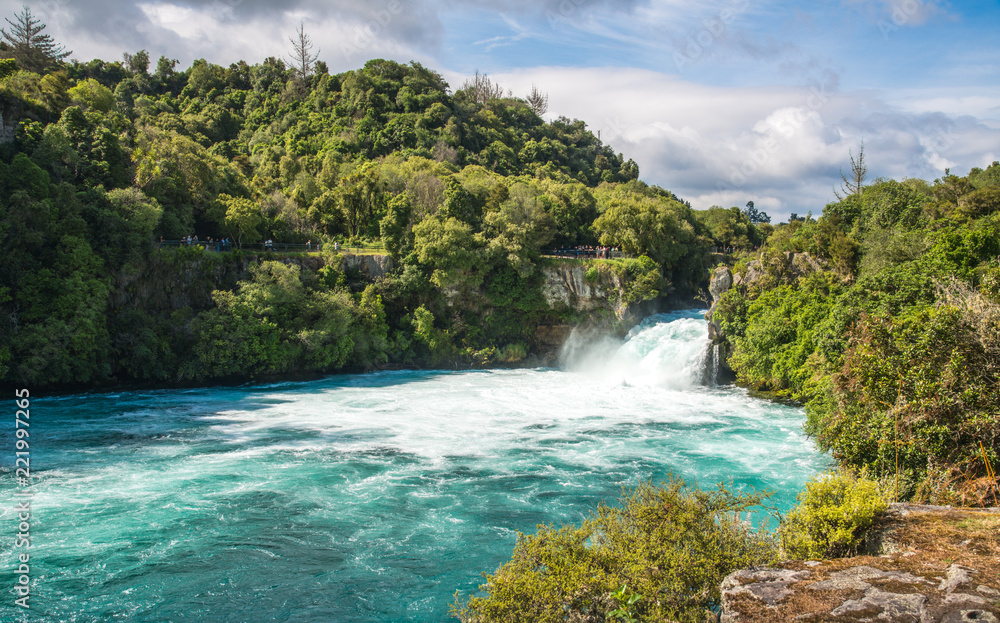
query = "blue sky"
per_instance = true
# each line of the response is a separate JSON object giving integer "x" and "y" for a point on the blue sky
{"x": 721, "y": 101}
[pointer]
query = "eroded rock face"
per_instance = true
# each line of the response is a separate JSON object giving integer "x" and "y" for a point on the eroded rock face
{"x": 961, "y": 616}
{"x": 567, "y": 286}
{"x": 890, "y": 606}
{"x": 943, "y": 569}
{"x": 766, "y": 585}
{"x": 722, "y": 280}
{"x": 754, "y": 272}
{"x": 371, "y": 266}
{"x": 6, "y": 132}
{"x": 855, "y": 593}
{"x": 598, "y": 303}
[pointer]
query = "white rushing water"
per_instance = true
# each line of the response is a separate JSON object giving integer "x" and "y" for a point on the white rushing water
{"x": 372, "y": 497}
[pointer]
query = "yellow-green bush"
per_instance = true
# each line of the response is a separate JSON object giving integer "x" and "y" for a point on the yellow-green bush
{"x": 832, "y": 518}
{"x": 659, "y": 556}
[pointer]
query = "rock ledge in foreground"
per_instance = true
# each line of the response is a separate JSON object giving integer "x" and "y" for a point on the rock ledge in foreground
{"x": 933, "y": 565}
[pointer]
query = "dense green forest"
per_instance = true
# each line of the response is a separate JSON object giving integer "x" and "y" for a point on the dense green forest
{"x": 464, "y": 190}
{"x": 892, "y": 337}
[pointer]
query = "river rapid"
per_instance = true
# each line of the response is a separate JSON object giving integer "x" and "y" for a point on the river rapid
{"x": 367, "y": 497}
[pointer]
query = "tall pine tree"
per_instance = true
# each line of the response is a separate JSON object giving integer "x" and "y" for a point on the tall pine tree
{"x": 31, "y": 49}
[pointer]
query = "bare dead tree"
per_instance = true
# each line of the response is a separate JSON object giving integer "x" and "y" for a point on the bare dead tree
{"x": 302, "y": 57}
{"x": 854, "y": 184}
{"x": 538, "y": 101}
{"x": 481, "y": 89}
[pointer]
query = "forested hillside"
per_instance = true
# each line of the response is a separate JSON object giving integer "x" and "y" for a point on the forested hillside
{"x": 464, "y": 189}
{"x": 893, "y": 338}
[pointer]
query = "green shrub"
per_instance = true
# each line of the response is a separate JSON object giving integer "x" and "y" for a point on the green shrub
{"x": 659, "y": 556}
{"x": 832, "y": 518}
{"x": 512, "y": 353}
{"x": 644, "y": 279}
{"x": 639, "y": 278}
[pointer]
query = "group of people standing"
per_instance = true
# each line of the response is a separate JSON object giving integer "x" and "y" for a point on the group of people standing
{"x": 590, "y": 251}
{"x": 225, "y": 244}
{"x": 220, "y": 244}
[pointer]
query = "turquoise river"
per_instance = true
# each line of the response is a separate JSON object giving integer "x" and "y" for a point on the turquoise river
{"x": 368, "y": 497}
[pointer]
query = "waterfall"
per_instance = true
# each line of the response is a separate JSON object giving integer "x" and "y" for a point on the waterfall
{"x": 716, "y": 354}
{"x": 665, "y": 350}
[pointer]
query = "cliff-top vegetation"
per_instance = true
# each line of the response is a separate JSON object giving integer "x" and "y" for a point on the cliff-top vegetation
{"x": 463, "y": 188}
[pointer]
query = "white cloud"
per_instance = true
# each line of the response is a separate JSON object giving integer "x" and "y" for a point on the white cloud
{"x": 185, "y": 22}
{"x": 782, "y": 147}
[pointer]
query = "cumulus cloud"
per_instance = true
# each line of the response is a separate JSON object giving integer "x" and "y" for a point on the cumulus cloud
{"x": 782, "y": 147}
{"x": 228, "y": 30}
{"x": 189, "y": 29}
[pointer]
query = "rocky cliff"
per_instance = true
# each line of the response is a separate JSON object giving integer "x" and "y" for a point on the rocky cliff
{"x": 566, "y": 285}
{"x": 721, "y": 282}
{"x": 928, "y": 564}
{"x": 599, "y": 296}
{"x": 371, "y": 266}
